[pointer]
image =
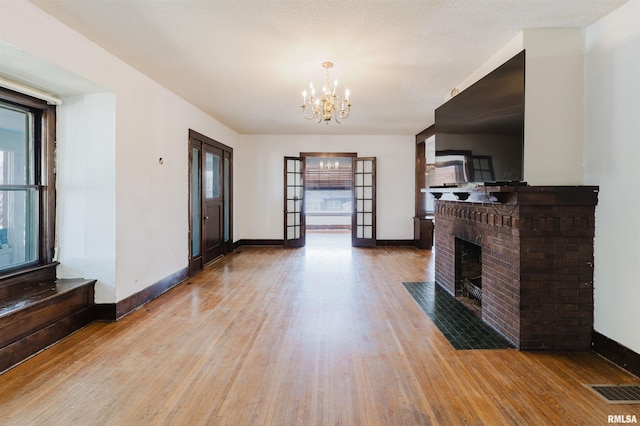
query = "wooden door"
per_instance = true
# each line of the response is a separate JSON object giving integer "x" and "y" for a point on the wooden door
{"x": 210, "y": 200}
{"x": 294, "y": 229}
{"x": 213, "y": 202}
{"x": 363, "y": 220}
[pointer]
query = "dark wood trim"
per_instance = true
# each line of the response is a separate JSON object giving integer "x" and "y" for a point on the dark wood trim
{"x": 421, "y": 169}
{"x": 423, "y": 232}
{"x": 616, "y": 353}
{"x": 26, "y": 280}
{"x": 17, "y": 98}
{"x": 22, "y": 350}
{"x": 48, "y": 176}
{"x": 395, "y": 243}
{"x": 426, "y": 134}
{"x": 105, "y": 312}
{"x": 115, "y": 311}
{"x": 388, "y": 243}
{"x": 248, "y": 242}
{"x": 328, "y": 154}
{"x": 205, "y": 139}
{"x": 30, "y": 323}
{"x": 421, "y": 179}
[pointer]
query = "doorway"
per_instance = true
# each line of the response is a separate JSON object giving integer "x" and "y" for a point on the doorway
{"x": 329, "y": 192}
{"x": 210, "y": 200}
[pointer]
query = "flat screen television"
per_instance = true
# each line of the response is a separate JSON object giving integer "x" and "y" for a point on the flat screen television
{"x": 479, "y": 133}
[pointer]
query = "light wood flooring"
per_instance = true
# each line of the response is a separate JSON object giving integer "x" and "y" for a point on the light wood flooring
{"x": 323, "y": 335}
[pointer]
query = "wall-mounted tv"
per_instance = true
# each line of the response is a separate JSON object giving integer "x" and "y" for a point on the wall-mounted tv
{"x": 479, "y": 133}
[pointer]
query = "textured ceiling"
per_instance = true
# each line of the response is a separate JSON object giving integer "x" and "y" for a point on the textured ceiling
{"x": 246, "y": 62}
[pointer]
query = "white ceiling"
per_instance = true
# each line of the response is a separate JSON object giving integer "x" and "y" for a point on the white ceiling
{"x": 246, "y": 62}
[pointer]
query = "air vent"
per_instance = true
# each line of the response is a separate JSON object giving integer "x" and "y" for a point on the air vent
{"x": 618, "y": 394}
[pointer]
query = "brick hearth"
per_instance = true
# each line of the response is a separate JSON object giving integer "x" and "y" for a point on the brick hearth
{"x": 537, "y": 260}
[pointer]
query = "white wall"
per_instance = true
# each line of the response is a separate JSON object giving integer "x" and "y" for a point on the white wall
{"x": 261, "y": 186}
{"x": 553, "y": 124}
{"x": 133, "y": 231}
{"x": 612, "y": 154}
{"x": 86, "y": 190}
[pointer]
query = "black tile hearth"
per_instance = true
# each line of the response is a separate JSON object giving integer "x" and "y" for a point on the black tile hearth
{"x": 463, "y": 329}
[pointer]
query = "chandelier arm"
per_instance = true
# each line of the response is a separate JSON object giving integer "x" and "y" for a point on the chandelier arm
{"x": 345, "y": 114}
{"x": 304, "y": 114}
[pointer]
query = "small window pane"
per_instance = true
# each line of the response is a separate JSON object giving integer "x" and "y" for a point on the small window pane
{"x": 368, "y": 232}
{"x": 291, "y": 233}
{"x": 18, "y": 227}
{"x": 16, "y": 147}
{"x": 368, "y": 193}
{"x": 212, "y": 175}
{"x": 368, "y": 179}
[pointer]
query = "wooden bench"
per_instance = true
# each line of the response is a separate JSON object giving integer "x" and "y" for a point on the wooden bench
{"x": 37, "y": 312}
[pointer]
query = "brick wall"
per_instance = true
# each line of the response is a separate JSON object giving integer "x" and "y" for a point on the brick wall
{"x": 537, "y": 262}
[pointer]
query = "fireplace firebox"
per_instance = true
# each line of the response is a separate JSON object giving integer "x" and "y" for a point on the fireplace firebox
{"x": 468, "y": 271}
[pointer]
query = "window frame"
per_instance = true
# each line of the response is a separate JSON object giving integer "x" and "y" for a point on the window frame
{"x": 44, "y": 128}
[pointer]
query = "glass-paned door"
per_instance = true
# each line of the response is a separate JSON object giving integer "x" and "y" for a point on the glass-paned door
{"x": 195, "y": 202}
{"x": 210, "y": 200}
{"x": 294, "y": 230}
{"x": 212, "y": 204}
{"x": 363, "y": 229}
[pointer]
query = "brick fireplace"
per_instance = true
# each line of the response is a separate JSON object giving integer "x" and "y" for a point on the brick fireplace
{"x": 536, "y": 245}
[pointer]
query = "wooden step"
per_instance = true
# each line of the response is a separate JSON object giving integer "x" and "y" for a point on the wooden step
{"x": 39, "y": 317}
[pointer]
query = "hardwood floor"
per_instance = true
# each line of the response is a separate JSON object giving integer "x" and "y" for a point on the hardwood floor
{"x": 320, "y": 335}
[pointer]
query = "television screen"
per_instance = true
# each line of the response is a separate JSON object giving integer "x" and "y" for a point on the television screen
{"x": 479, "y": 133}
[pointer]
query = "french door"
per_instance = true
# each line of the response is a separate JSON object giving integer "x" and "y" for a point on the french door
{"x": 212, "y": 202}
{"x": 363, "y": 220}
{"x": 294, "y": 229}
{"x": 210, "y": 165}
{"x": 363, "y": 213}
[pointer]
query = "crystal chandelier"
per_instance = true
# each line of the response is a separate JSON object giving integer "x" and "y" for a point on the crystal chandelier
{"x": 329, "y": 165}
{"x": 329, "y": 105}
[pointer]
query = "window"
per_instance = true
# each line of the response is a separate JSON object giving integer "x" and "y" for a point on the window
{"x": 27, "y": 183}
{"x": 482, "y": 168}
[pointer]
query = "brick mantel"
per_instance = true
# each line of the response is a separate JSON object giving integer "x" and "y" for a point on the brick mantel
{"x": 537, "y": 260}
